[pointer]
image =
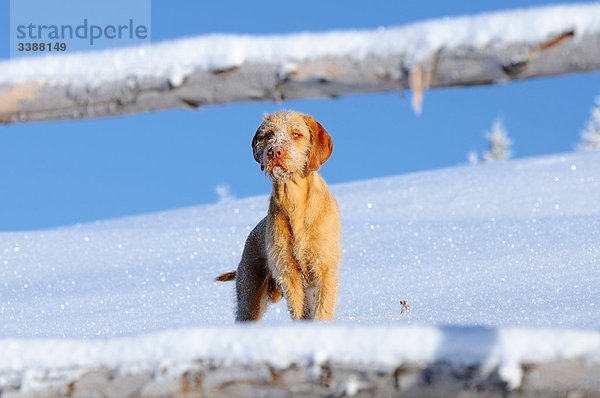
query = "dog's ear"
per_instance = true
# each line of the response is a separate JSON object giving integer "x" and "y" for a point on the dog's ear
{"x": 322, "y": 144}
{"x": 254, "y": 148}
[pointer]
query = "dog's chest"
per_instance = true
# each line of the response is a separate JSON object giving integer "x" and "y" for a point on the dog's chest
{"x": 290, "y": 243}
{"x": 293, "y": 220}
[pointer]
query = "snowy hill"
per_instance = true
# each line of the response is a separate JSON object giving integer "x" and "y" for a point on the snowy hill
{"x": 491, "y": 248}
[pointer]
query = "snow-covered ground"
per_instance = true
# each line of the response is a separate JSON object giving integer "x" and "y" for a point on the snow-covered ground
{"x": 495, "y": 261}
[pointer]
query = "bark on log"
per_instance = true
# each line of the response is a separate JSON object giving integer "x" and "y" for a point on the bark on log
{"x": 28, "y": 97}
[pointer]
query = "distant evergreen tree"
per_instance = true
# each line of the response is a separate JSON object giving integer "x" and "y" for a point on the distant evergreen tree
{"x": 224, "y": 192}
{"x": 472, "y": 158}
{"x": 498, "y": 142}
{"x": 590, "y": 137}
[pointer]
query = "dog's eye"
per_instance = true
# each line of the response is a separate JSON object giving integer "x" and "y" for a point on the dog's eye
{"x": 297, "y": 134}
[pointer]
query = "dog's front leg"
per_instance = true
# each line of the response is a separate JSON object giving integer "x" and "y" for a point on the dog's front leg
{"x": 327, "y": 291}
{"x": 293, "y": 286}
{"x": 285, "y": 268}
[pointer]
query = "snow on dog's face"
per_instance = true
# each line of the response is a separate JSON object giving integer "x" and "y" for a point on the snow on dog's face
{"x": 290, "y": 143}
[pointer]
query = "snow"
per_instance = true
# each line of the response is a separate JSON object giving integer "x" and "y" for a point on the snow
{"x": 498, "y": 263}
{"x": 503, "y": 350}
{"x": 177, "y": 59}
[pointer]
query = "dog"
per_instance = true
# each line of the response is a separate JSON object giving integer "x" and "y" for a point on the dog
{"x": 295, "y": 250}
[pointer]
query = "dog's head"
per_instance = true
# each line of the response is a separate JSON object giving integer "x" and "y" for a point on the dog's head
{"x": 290, "y": 143}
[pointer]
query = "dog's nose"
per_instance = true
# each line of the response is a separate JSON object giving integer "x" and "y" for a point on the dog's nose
{"x": 275, "y": 152}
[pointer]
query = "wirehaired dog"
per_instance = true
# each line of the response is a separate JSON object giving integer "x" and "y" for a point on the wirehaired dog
{"x": 296, "y": 249}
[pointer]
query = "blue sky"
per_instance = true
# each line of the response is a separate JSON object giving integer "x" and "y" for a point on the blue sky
{"x": 62, "y": 173}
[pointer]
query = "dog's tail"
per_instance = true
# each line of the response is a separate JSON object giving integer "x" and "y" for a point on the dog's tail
{"x": 226, "y": 277}
{"x": 273, "y": 291}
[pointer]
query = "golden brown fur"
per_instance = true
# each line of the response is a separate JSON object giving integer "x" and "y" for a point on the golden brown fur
{"x": 295, "y": 250}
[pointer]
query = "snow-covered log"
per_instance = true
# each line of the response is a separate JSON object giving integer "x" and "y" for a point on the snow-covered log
{"x": 216, "y": 69}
